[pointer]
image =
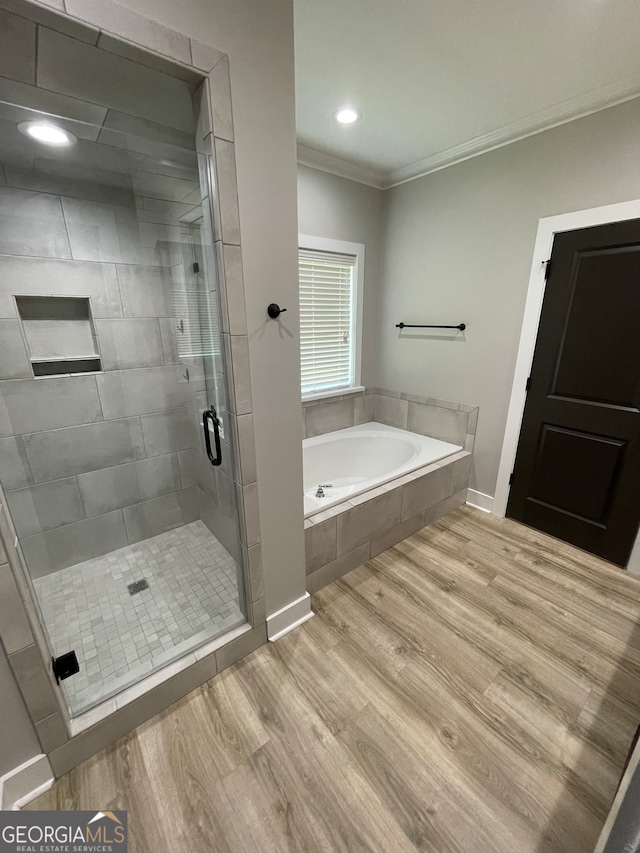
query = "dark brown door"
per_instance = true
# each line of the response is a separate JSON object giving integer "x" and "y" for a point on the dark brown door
{"x": 577, "y": 471}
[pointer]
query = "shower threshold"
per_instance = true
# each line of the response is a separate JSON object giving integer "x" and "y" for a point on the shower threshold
{"x": 120, "y": 639}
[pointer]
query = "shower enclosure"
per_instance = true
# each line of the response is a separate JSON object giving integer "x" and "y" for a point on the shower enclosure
{"x": 116, "y": 447}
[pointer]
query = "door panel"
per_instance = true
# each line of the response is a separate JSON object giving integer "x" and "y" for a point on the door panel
{"x": 578, "y": 460}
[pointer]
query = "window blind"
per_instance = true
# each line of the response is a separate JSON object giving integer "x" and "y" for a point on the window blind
{"x": 198, "y": 332}
{"x": 327, "y": 318}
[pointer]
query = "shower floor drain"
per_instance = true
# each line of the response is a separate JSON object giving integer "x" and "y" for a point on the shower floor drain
{"x": 137, "y": 586}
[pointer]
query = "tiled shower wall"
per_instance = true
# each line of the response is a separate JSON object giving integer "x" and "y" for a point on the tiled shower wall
{"x": 92, "y": 463}
{"x": 443, "y": 419}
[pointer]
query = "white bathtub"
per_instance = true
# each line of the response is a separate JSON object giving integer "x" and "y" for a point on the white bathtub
{"x": 354, "y": 460}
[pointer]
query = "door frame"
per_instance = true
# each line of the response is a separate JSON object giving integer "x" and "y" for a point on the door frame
{"x": 548, "y": 227}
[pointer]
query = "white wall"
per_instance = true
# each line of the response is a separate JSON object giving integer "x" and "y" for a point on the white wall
{"x": 259, "y": 40}
{"x": 458, "y": 247}
{"x": 329, "y": 206}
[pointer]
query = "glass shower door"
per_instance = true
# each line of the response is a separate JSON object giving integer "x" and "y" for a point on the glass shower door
{"x": 110, "y": 357}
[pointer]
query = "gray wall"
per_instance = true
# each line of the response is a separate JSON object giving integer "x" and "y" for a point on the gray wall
{"x": 458, "y": 246}
{"x": 18, "y": 739}
{"x": 76, "y": 450}
{"x": 329, "y": 206}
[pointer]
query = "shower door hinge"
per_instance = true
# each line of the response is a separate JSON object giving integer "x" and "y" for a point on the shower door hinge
{"x": 64, "y": 666}
{"x": 196, "y": 267}
{"x": 511, "y": 478}
{"x": 528, "y": 385}
{"x": 547, "y": 267}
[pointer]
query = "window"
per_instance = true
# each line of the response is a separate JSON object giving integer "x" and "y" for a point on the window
{"x": 331, "y": 278}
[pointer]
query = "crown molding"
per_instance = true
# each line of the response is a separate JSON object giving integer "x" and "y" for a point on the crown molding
{"x": 574, "y": 108}
{"x": 325, "y": 162}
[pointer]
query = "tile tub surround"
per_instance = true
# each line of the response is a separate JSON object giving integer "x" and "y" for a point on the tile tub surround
{"x": 345, "y": 536}
{"x": 146, "y": 44}
{"x": 447, "y": 420}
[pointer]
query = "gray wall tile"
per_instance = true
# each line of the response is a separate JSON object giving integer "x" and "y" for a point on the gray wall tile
{"x": 56, "y": 549}
{"x": 327, "y": 417}
{"x": 246, "y": 448}
{"x": 221, "y": 100}
{"x": 145, "y": 291}
{"x": 166, "y": 513}
{"x": 129, "y": 343}
{"x": 167, "y": 432}
{"x": 460, "y": 473}
{"x": 58, "y": 338}
{"x": 438, "y": 422}
{"x": 223, "y": 525}
{"x": 338, "y": 568}
{"x": 102, "y": 232}
{"x": 320, "y": 544}
{"x": 14, "y": 465}
{"x": 27, "y": 405}
{"x": 34, "y": 683}
{"x": 425, "y": 491}
{"x": 249, "y": 514}
{"x": 188, "y": 461}
{"x": 445, "y": 506}
{"x": 52, "y": 732}
{"x": 132, "y": 27}
{"x": 123, "y": 485}
{"x": 41, "y": 276}
{"x": 45, "y": 506}
{"x": 363, "y": 409}
{"x": 256, "y": 578}
{"x": 14, "y": 363}
{"x": 367, "y": 520}
{"x": 390, "y": 411}
{"x": 17, "y": 47}
{"x": 235, "y": 320}
{"x": 140, "y": 392}
{"x": 204, "y": 56}
{"x": 64, "y": 452}
{"x": 227, "y": 191}
{"x": 445, "y": 404}
{"x": 169, "y": 335}
{"x": 82, "y": 185}
{"x": 16, "y": 630}
{"x": 116, "y": 83}
{"x": 241, "y": 647}
{"x": 397, "y": 534}
{"x": 32, "y": 224}
{"x": 241, "y": 374}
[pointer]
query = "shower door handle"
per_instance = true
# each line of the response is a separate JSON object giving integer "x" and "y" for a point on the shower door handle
{"x": 211, "y": 415}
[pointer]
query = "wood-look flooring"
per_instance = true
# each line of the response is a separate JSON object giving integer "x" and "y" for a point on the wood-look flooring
{"x": 474, "y": 688}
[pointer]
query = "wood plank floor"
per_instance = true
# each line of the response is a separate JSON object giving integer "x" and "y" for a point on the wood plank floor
{"x": 475, "y": 688}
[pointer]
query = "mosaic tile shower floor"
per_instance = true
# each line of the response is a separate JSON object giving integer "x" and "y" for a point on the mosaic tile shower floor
{"x": 119, "y": 638}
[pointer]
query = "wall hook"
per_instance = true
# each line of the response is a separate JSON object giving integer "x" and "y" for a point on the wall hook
{"x": 274, "y": 310}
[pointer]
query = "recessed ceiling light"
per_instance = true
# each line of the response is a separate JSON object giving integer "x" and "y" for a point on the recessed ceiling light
{"x": 347, "y": 115}
{"x": 49, "y": 134}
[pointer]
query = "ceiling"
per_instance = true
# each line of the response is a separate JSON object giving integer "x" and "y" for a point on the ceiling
{"x": 438, "y": 81}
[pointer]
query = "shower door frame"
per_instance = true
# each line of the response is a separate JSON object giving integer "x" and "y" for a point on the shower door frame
{"x": 66, "y": 741}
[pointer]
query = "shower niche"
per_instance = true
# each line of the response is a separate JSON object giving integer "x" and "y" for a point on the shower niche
{"x": 59, "y": 335}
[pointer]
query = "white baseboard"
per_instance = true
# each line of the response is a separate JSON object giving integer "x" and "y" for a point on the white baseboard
{"x": 25, "y": 783}
{"x": 289, "y": 617}
{"x": 479, "y": 500}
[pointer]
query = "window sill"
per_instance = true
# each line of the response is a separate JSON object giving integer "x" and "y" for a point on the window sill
{"x": 335, "y": 392}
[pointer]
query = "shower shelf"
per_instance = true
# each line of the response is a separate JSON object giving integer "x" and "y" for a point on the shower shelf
{"x": 59, "y": 334}
{"x": 61, "y": 366}
{"x": 93, "y": 355}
